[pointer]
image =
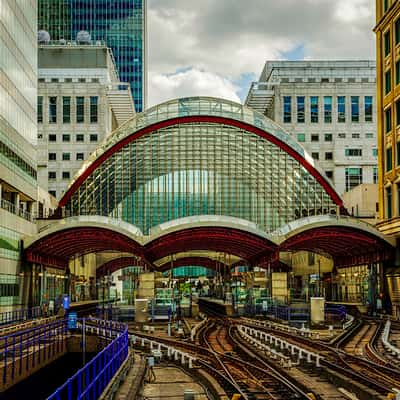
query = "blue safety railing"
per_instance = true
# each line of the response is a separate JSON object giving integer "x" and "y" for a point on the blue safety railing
{"x": 24, "y": 350}
{"x": 90, "y": 381}
{"x": 13, "y": 316}
{"x": 335, "y": 313}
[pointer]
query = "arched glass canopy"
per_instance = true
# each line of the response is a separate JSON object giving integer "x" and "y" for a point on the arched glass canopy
{"x": 200, "y": 156}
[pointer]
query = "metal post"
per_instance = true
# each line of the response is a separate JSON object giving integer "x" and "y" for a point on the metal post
{"x": 83, "y": 342}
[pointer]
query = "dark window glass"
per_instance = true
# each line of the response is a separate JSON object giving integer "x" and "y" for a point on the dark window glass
{"x": 388, "y": 120}
{"x": 397, "y": 112}
{"x": 315, "y": 138}
{"x": 52, "y": 138}
{"x": 52, "y": 110}
{"x": 66, "y": 156}
{"x": 80, "y": 109}
{"x": 341, "y": 108}
{"x": 398, "y": 199}
{"x": 93, "y": 137}
{"x": 355, "y": 109}
{"x": 315, "y": 156}
{"x": 368, "y": 108}
{"x": 300, "y": 109}
{"x": 65, "y": 175}
{"x": 93, "y": 109}
{"x": 287, "y": 109}
{"x": 376, "y": 176}
{"x": 398, "y": 152}
{"x": 53, "y": 193}
{"x": 388, "y": 82}
{"x": 385, "y": 5}
{"x": 314, "y": 108}
{"x": 329, "y": 174}
{"x": 80, "y": 156}
{"x": 328, "y": 156}
{"x": 389, "y": 159}
{"x": 328, "y": 109}
{"x": 389, "y": 202}
{"x": 52, "y": 175}
{"x": 328, "y": 137}
{"x": 80, "y": 137}
{"x": 66, "y": 110}
{"x": 52, "y": 156}
{"x": 353, "y": 177}
{"x": 386, "y": 40}
{"x": 397, "y": 72}
{"x": 397, "y": 31}
{"x": 353, "y": 152}
{"x": 40, "y": 109}
{"x": 66, "y": 138}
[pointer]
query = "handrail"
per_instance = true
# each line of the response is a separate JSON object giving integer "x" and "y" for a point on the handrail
{"x": 385, "y": 340}
{"x": 24, "y": 314}
{"x": 91, "y": 380}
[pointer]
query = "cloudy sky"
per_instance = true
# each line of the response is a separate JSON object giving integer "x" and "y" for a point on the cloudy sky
{"x": 217, "y": 47}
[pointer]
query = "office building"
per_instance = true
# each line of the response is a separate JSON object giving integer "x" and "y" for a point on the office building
{"x": 120, "y": 23}
{"x": 18, "y": 136}
{"x": 329, "y": 108}
{"x": 80, "y": 101}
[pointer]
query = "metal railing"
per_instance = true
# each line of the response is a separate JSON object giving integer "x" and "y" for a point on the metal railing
{"x": 24, "y": 350}
{"x": 10, "y": 207}
{"x": 14, "y": 316}
{"x": 90, "y": 381}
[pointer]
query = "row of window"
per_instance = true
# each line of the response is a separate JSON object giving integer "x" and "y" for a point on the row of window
{"x": 70, "y": 80}
{"x": 327, "y": 109}
{"x": 347, "y": 153}
{"x": 328, "y": 137}
{"x": 79, "y": 137}
{"x": 387, "y": 38}
{"x": 52, "y": 175}
{"x": 389, "y": 157}
{"x": 66, "y": 109}
{"x": 66, "y": 156}
{"x": 388, "y": 116}
{"x": 389, "y": 201}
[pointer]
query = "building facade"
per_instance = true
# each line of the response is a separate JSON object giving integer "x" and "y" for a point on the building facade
{"x": 329, "y": 108}
{"x": 387, "y": 31}
{"x": 120, "y": 23}
{"x": 80, "y": 102}
{"x": 18, "y": 137}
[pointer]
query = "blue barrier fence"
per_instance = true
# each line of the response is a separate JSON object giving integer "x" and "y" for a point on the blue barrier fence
{"x": 23, "y": 350}
{"x": 11, "y": 317}
{"x": 90, "y": 381}
{"x": 335, "y": 313}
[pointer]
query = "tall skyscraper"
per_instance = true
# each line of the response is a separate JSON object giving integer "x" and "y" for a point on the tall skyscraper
{"x": 18, "y": 137}
{"x": 121, "y": 23}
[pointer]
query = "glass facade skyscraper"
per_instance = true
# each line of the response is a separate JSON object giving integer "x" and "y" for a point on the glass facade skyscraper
{"x": 121, "y": 23}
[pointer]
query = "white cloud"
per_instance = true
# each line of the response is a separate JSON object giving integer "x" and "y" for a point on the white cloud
{"x": 192, "y": 82}
{"x": 228, "y": 38}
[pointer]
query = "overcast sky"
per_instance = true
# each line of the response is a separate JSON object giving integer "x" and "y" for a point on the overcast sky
{"x": 217, "y": 47}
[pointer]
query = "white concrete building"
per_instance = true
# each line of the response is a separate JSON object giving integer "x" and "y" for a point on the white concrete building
{"x": 330, "y": 108}
{"x": 80, "y": 102}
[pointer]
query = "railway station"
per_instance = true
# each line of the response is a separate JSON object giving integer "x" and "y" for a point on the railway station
{"x": 201, "y": 252}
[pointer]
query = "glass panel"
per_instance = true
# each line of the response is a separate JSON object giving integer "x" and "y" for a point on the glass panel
{"x": 314, "y": 108}
{"x": 389, "y": 202}
{"x": 341, "y": 108}
{"x": 52, "y": 110}
{"x": 388, "y": 120}
{"x": 287, "y": 109}
{"x": 388, "y": 83}
{"x": 40, "y": 109}
{"x": 327, "y": 109}
{"x": 355, "y": 109}
{"x": 388, "y": 159}
{"x": 368, "y": 108}
{"x": 93, "y": 109}
{"x": 66, "y": 109}
{"x": 80, "y": 109}
{"x": 300, "y": 109}
{"x": 386, "y": 39}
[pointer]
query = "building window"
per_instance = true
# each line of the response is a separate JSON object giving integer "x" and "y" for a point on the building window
{"x": 66, "y": 156}
{"x": 315, "y": 138}
{"x": 389, "y": 202}
{"x": 341, "y": 108}
{"x": 80, "y": 109}
{"x": 397, "y": 31}
{"x": 314, "y": 108}
{"x": 327, "y": 109}
{"x": 388, "y": 120}
{"x": 93, "y": 137}
{"x": 287, "y": 109}
{"x": 80, "y": 156}
{"x": 374, "y": 152}
{"x": 52, "y": 156}
{"x": 398, "y": 199}
{"x": 386, "y": 40}
{"x": 398, "y": 153}
{"x": 300, "y": 109}
{"x": 375, "y": 175}
{"x": 388, "y": 83}
{"x": 301, "y": 137}
{"x": 52, "y": 110}
{"x": 329, "y": 156}
{"x": 385, "y": 5}
{"x": 52, "y": 175}
{"x": 315, "y": 156}
{"x": 40, "y": 109}
{"x": 353, "y": 177}
{"x": 328, "y": 137}
{"x": 342, "y": 135}
{"x": 355, "y": 109}
{"x": 368, "y": 108}
{"x": 65, "y": 175}
{"x": 355, "y": 135}
{"x": 66, "y": 137}
{"x": 80, "y": 137}
{"x": 389, "y": 159}
{"x": 397, "y": 72}
{"x": 52, "y": 137}
{"x": 66, "y": 109}
{"x": 369, "y": 135}
{"x": 94, "y": 100}
{"x": 353, "y": 152}
{"x": 329, "y": 174}
{"x": 53, "y": 193}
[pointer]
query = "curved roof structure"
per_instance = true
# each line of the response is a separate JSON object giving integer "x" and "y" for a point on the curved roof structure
{"x": 197, "y": 156}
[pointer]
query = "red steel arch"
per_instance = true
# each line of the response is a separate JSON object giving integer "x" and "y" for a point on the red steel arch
{"x": 202, "y": 119}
